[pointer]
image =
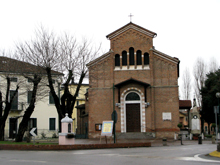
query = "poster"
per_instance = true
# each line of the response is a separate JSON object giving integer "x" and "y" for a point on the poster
{"x": 107, "y": 127}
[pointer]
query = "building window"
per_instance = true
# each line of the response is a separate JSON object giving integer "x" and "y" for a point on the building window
{"x": 132, "y": 96}
{"x": 117, "y": 60}
{"x": 14, "y": 104}
{"x": 52, "y": 124}
{"x": 146, "y": 59}
{"x": 29, "y": 96}
{"x": 51, "y": 100}
{"x": 139, "y": 60}
{"x": 124, "y": 58}
{"x": 14, "y": 79}
{"x": 29, "y": 80}
{"x": 131, "y": 56}
{"x": 32, "y": 123}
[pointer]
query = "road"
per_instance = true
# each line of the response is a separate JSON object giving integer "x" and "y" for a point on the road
{"x": 166, "y": 155}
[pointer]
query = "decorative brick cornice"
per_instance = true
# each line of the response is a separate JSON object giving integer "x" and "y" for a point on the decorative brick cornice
{"x": 104, "y": 56}
{"x": 131, "y": 26}
{"x": 165, "y": 56}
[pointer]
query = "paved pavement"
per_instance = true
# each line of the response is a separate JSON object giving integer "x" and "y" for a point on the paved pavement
{"x": 154, "y": 142}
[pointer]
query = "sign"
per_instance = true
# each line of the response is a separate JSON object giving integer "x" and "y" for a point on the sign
{"x": 114, "y": 116}
{"x": 167, "y": 116}
{"x": 107, "y": 127}
{"x": 195, "y": 123}
{"x": 33, "y": 132}
{"x": 216, "y": 109}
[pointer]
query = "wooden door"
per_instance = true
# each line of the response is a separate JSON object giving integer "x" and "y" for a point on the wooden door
{"x": 133, "y": 118}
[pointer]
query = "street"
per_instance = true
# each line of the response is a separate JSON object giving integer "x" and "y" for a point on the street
{"x": 166, "y": 155}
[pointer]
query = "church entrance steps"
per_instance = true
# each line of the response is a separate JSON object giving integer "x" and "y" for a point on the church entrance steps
{"x": 135, "y": 135}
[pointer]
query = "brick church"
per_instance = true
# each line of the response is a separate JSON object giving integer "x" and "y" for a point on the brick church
{"x": 136, "y": 80}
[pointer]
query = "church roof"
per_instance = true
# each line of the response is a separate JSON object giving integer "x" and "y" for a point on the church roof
{"x": 165, "y": 56}
{"x": 131, "y": 80}
{"x": 131, "y": 26}
{"x": 185, "y": 104}
{"x": 99, "y": 58}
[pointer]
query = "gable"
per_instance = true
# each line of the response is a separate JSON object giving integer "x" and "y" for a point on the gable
{"x": 128, "y": 27}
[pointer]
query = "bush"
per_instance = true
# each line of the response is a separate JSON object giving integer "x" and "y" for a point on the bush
{"x": 179, "y": 125}
{"x": 43, "y": 135}
{"x": 54, "y": 135}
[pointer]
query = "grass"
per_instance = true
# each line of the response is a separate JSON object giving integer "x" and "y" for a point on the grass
{"x": 25, "y": 143}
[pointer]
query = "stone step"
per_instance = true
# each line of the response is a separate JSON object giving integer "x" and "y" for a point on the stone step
{"x": 135, "y": 135}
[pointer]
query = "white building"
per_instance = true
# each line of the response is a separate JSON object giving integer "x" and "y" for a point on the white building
{"x": 45, "y": 116}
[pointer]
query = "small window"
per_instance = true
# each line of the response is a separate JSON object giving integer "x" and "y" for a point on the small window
{"x": 53, "y": 81}
{"x": 131, "y": 56}
{"x": 14, "y": 79}
{"x": 29, "y": 96}
{"x": 132, "y": 96}
{"x": 146, "y": 59}
{"x": 29, "y": 80}
{"x": 52, "y": 124}
{"x": 117, "y": 60}
{"x": 124, "y": 58}
{"x": 51, "y": 100}
{"x": 14, "y": 104}
{"x": 139, "y": 60}
{"x": 69, "y": 128}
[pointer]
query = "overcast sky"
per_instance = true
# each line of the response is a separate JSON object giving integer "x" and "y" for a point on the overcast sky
{"x": 186, "y": 29}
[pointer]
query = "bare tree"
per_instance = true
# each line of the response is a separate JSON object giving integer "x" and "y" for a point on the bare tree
{"x": 60, "y": 53}
{"x": 186, "y": 90}
{"x": 199, "y": 73}
{"x": 213, "y": 65}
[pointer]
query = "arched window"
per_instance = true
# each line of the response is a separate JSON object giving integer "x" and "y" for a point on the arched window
{"x": 124, "y": 58}
{"x": 146, "y": 59}
{"x": 132, "y": 96}
{"x": 139, "y": 61}
{"x": 69, "y": 128}
{"x": 131, "y": 56}
{"x": 117, "y": 60}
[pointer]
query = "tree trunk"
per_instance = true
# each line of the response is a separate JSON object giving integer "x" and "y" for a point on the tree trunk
{"x": 24, "y": 123}
{"x": 209, "y": 128}
{"x": 2, "y": 129}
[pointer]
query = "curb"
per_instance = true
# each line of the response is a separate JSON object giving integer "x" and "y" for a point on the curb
{"x": 215, "y": 154}
{"x": 71, "y": 147}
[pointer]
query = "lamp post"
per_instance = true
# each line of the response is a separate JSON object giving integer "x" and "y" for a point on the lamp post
{"x": 218, "y": 96}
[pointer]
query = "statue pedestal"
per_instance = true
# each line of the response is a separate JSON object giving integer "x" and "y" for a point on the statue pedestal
{"x": 66, "y": 137}
{"x": 65, "y": 140}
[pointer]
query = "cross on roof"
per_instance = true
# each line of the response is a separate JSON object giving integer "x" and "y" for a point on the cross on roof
{"x": 130, "y": 16}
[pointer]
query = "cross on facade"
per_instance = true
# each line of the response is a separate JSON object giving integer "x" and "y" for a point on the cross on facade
{"x": 130, "y": 16}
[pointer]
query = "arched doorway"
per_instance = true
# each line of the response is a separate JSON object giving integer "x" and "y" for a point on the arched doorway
{"x": 132, "y": 109}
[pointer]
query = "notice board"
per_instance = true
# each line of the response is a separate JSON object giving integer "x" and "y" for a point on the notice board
{"x": 107, "y": 127}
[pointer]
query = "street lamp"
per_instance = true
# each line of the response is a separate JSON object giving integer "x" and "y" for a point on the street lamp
{"x": 218, "y": 96}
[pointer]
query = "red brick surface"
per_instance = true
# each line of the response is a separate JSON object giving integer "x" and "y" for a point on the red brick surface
{"x": 71, "y": 147}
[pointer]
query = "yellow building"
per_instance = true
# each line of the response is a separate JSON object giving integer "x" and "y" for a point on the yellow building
{"x": 79, "y": 100}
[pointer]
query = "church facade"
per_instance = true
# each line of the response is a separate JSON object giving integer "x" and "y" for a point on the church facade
{"x": 137, "y": 81}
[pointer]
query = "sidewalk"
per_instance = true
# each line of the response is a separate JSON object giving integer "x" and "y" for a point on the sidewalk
{"x": 96, "y": 144}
